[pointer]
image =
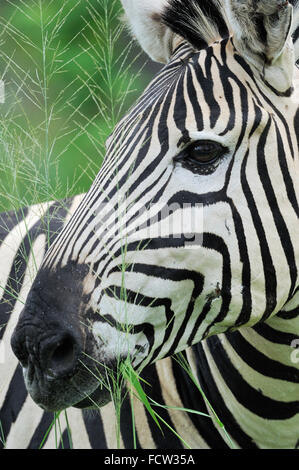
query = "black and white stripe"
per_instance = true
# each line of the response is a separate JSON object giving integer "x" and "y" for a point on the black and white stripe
{"x": 232, "y": 299}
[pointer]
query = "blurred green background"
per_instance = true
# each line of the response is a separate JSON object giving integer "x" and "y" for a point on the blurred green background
{"x": 70, "y": 72}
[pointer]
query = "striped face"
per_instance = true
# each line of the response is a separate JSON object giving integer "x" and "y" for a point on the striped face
{"x": 190, "y": 229}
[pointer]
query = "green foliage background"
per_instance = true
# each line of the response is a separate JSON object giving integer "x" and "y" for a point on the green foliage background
{"x": 70, "y": 71}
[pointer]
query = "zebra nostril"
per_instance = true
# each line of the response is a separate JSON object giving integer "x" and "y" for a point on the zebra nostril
{"x": 62, "y": 356}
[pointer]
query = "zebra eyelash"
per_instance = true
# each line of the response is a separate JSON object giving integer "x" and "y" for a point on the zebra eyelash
{"x": 207, "y": 170}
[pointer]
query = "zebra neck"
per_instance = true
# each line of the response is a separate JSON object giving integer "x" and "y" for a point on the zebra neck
{"x": 256, "y": 371}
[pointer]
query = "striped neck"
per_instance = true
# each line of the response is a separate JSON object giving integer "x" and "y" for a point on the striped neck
{"x": 251, "y": 378}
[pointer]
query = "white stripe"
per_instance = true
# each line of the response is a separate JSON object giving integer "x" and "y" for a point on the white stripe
{"x": 182, "y": 422}
{"x": 24, "y": 427}
{"x": 7, "y": 369}
{"x": 11, "y": 243}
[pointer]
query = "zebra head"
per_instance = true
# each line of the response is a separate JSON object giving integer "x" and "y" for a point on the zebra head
{"x": 191, "y": 226}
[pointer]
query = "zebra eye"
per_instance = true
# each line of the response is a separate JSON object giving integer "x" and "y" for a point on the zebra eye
{"x": 204, "y": 152}
{"x": 201, "y": 157}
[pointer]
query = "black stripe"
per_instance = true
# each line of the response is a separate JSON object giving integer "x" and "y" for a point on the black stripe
{"x": 258, "y": 117}
{"x": 248, "y": 70}
{"x": 129, "y": 296}
{"x": 216, "y": 243}
{"x": 41, "y": 431}
{"x": 165, "y": 439}
{"x": 212, "y": 393}
{"x": 13, "y": 402}
{"x": 259, "y": 362}
{"x": 268, "y": 267}
{"x": 275, "y": 336}
{"x": 296, "y": 125}
{"x": 128, "y": 433}
{"x": 148, "y": 190}
{"x": 225, "y": 76}
{"x": 95, "y": 429}
{"x": 176, "y": 275}
{"x": 289, "y": 314}
{"x": 180, "y": 107}
{"x": 284, "y": 94}
{"x": 9, "y": 220}
{"x": 50, "y": 225}
{"x": 52, "y": 253}
{"x": 64, "y": 440}
{"x": 192, "y": 399}
{"x": 244, "y": 393}
{"x": 273, "y": 204}
{"x": 207, "y": 86}
{"x": 192, "y": 95}
{"x": 246, "y": 310}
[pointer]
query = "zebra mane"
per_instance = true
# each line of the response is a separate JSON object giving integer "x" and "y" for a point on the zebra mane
{"x": 202, "y": 22}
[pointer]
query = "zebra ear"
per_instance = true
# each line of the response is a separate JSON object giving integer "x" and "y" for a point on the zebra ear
{"x": 296, "y": 31}
{"x": 262, "y": 35}
{"x": 144, "y": 19}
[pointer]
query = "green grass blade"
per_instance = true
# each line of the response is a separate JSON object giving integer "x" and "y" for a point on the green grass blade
{"x": 186, "y": 366}
{"x": 69, "y": 431}
{"x": 47, "y": 433}
{"x": 132, "y": 377}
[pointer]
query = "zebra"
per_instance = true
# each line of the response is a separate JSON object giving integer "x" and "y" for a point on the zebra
{"x": 25, "y": 236}
{"x": 214, "y": 136}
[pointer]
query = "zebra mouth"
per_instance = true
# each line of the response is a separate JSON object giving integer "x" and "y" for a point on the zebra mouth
{"x": 98, "y": 398}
